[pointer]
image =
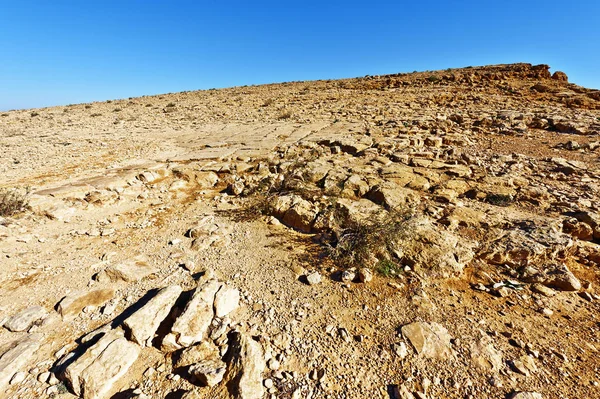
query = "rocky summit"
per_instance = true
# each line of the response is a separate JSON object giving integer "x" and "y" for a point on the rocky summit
{"x": 408, "y": 236}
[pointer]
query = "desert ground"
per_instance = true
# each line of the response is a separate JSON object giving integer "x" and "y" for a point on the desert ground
{"x": 423, "y": 235}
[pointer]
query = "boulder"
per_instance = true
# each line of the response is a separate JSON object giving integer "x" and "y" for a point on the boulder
{"x": 429, "y": 340}
{"x": 143, "y": 324}
{"x": 192, "y": 324}
{"x": 295, "y": 212}
{"x": 17, "y": 357}
{"x": 432, "y": 249}
{"x": 23, "y": 320}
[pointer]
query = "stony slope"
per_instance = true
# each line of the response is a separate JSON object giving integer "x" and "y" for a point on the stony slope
{"x": 416, "y": 235}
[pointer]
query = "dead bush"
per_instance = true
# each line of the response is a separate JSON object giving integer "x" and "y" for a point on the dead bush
{"x": 371, "y": 241}
{"x": 13, "y": 201}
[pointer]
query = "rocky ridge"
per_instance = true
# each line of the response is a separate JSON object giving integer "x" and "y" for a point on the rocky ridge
{"x": 415, "y": 235}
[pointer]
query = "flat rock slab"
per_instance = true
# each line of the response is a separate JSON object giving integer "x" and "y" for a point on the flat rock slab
{"x": 73, "y": 304}
{"x": 114, "y": 361}
{"x": 133, "y": 270}
{"x": 193, "y": 323}
{"x": 143, "y": 324}
{"x": 226, "y": 300}
{"x": 17, "y": 357}
{"x": 77, "y": 365}
{"x": 25, "y": 319}
{"x": 429, "y": 340}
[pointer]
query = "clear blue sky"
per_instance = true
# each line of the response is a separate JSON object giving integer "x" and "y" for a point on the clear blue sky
{"x": 56, "y": 52}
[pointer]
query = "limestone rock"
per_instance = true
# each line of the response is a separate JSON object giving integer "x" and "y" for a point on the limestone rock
{"x": 192, "y": 324}
{"x": 243, "y": 378}
{"x": 74, "y": 364}
{"x": 227, "y": 300}
{"x": 425, "y": 247}
{"x": 391, "y": 196}
{"x": 25, "y": 319}
{"x": 526, "y": 395}
{"x": 429, "y": 340}
{"x": 132, "y": 270}
{"x": 196, "y": 353}
{"x": 74, "y": 303}
{"x": 114, "y": 361}
{"x": 485, "y": 356}
{"x": 208, "y": 372}
{"x": 142, "y": 325}
{"x": 17, "y": 357}
{"x": 313, "y": 278}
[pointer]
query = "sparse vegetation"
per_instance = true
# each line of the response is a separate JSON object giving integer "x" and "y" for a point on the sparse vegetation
{"x": 170, "y": 105}
{"x": 13, "y": 201}
{"x": 433, "y": 79}
{"x": 34, "y": 114}
{"x": 95, "y": 115}
{"x": 87, "y": 106}
{"x": 268, "y": 102}
{"x": 499, "y": 199}
{"x": 370, "y": 241}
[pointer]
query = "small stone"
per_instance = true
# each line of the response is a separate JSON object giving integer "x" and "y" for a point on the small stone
{"x": 52, "y": 391}
{"x": 365, "y": 275}
{"x": 543, "y": 290}
{"x": 400, "y": 349}
{"x": 18, "y": 378}
{"x": 348, "y": 276}
{"x": 313, "y": 278}
{"x": 273, "y": 364}
{"x": 209, "y": 372}
{"x": 44, "y": 377}
{"x": 268, "y": 383}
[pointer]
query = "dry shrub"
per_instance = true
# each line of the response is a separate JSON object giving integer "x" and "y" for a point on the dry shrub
{"x": 13, "y": 201}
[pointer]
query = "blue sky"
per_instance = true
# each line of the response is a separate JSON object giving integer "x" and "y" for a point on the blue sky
{"x": 61, "y": 52}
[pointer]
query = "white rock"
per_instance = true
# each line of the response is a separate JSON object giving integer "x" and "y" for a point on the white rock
{"x": 17, "y": 357}
{"x": 227, "y": 300}
{"x": 142, "y": 324}
{"x": 25, "y": 319}
{"x": 193, "y": 323}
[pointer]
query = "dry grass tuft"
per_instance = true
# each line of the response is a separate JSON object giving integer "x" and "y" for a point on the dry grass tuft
{"x": 13, "y": 201}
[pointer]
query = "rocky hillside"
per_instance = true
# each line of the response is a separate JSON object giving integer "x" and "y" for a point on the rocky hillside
{"x": 409, "y": 236}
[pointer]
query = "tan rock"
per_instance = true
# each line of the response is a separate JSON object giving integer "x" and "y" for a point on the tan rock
{"x": 429, "y": 340}
{"x": 191, "y": 326}
{"x": 142, "y": 325}
{"x": 227, "y": 300}
{"x": 23, "y": 320}
{"x": 73, "y": 304}
{"x": 16, "y": 358}
{"x": 132, "y": 270}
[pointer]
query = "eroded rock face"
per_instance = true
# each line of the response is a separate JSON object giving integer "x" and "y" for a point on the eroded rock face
{"x": 433, "y": 250}
{"x": 429, "y": 340}
{"x": 553, "y": 275}
{"x": 528, "y": 244}
{"x": 114, "y": 361}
